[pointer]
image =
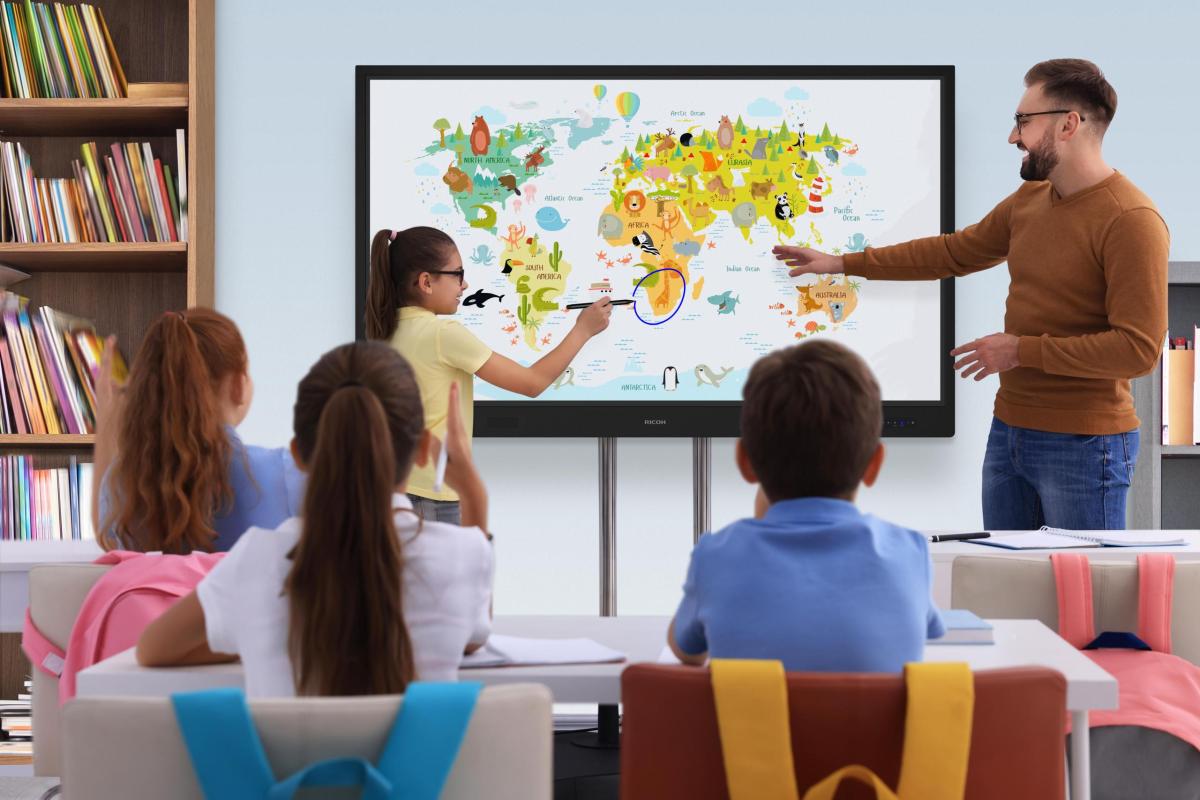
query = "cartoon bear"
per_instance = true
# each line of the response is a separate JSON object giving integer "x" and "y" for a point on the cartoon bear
{"x": 725, "y": 133}
{"x": 481, "y": 137}
{"x": 783, "y": 209}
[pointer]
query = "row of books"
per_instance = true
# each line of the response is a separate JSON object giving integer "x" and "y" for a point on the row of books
{"x": 48, "y": 362}
{"x": 1181, "y": 390}
{"x": 16, "y": 728}
{"x": 54, "y": 50}
{"x": 123, "y": 195}
{"x": 49, "y": 504}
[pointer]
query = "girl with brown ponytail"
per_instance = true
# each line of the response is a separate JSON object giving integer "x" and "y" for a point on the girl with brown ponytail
{"x": 171, "y": 473}
{"x": 417, "y": 279}
{"x": 358, "y": 596}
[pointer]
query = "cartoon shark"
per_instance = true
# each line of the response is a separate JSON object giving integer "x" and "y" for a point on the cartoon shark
{"x": 566, "y": 379}
{"x": 480, "y": 298}
{"x": 725, "y": 302}
{"x": 704, "y": 374}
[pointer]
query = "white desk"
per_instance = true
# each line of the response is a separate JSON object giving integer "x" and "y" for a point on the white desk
{"x": 944, "y": 553}
{"x": 16, "y": 559}
{"x": 1018, "y": 643}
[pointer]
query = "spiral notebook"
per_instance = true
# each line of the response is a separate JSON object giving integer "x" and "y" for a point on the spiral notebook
{"x": 1058, "y": 539}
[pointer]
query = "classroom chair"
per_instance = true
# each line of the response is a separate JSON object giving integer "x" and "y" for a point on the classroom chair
{"x": 671, "y": 748}
{"x": 1023, "y": 588}
{"x": 56, "y": 593}
{"x": 119, "y": 748}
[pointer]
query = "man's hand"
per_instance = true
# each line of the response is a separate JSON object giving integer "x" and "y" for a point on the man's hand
{"x": 986, "y": 356}
{"x": 807, "y": 261}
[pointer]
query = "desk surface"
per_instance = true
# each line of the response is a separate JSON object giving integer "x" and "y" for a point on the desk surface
{"x": 1018, "y": 643}
{"x": 1189, "y": 551}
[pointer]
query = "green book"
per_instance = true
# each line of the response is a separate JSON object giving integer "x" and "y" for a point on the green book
{"x": 84, "y": 54}
{"x": 169, "y": 179}
{"x": 37, "y": 51}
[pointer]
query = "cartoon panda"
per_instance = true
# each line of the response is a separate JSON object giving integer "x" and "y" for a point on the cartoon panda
{"x": 783, "y": 209}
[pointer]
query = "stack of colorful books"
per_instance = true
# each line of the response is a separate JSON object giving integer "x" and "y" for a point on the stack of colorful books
{"x": 48, "y": 361}
{"x": 123, "y": 195}
{"x": 45, "y": 504}
{"x": 52, "y": 50}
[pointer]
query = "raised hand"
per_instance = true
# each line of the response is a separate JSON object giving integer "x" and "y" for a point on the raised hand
{"x": 806, "y": 261}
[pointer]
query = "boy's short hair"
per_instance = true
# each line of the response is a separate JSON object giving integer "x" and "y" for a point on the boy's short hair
{"x": 812, "y": 416}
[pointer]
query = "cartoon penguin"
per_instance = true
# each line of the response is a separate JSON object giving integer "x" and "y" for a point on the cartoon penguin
{"x": 644, "y": 241}
{"x": 783, "y": 210}
{"x": 670, "y": 379}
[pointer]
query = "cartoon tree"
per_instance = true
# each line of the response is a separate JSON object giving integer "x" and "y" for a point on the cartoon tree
{"x": 813, "y": 169}
{"x": 837, "y": 141}
{"x": 825, "y": 134}
{"x": 678, "y": 151}
{"x": 441, "y": 126}
{"x": 638, "y": 145}
{"x": 689, "y": 171}
{"x": 625, "y": 153}
{"x": 741, "y": 126}
{"x": 500, "y": 141}
{"x": 757, "y": 132}
{"x": 783, "y": 131}
{"x": 517, "y": 133}
{"x": 766, "y": 169}
{"x": 458, "y": 133}
{"x": 775, "y": 153}
{"x": 782, "y": 177}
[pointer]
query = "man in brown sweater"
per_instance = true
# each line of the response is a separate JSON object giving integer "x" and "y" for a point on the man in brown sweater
{"x": 1086, "y": 309}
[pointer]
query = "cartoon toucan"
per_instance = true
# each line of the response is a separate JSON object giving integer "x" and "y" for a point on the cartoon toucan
{"x": 508, "y": 265}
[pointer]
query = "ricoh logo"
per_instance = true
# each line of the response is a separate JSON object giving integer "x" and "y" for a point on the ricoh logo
{"x": 654, "y": 421}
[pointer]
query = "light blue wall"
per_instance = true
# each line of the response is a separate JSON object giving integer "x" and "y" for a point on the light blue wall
{"x": 285, "y": 217}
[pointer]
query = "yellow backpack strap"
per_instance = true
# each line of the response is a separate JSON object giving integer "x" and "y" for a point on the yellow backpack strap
{"x": 756, "y": 740}
{"x": 937, "y": 731}
{"x": 827, "y": 789}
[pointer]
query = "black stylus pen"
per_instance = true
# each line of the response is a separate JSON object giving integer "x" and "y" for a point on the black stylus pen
{"x": 959, "y": 537}
{"x": 574, "y": 306}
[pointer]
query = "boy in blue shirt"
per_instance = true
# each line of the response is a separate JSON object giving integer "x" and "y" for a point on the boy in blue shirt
{"x": 811, "y": 580}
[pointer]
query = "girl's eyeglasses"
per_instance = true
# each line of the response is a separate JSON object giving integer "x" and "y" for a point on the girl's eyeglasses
{"x": 461, "y": 273}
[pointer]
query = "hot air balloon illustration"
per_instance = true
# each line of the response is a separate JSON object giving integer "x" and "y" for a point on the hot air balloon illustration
{"x": 628, "y": 104}
{"x": 599, "y": 90}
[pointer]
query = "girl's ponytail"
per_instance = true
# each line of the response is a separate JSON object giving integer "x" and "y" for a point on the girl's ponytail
{"x": 358, "y": 420}
{"x": 171, "y": 475}
{"x": 383, "y": 294}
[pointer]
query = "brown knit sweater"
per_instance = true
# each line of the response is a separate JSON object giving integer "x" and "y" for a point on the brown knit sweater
{"x": 1088, "y": 297}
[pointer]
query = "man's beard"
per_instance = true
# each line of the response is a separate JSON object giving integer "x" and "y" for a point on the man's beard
{"x": 1042, "y": 160}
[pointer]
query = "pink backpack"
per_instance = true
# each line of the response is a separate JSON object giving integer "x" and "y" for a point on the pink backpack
{"x": 127, "y": 598}
{"x": 1157, "y": 690}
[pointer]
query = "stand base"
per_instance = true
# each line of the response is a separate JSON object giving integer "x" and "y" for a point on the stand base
{"x": 608, "y": 737}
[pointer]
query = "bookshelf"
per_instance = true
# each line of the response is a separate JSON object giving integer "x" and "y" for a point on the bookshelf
{"x": 167, "y": 49}
{"x": 1164, "y": 493}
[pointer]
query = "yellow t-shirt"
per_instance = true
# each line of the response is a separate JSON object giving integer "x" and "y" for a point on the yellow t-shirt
{"x": 440, "y": 350}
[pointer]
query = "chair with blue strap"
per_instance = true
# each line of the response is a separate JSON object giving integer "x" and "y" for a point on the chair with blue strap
{"x": 435, "y": 741}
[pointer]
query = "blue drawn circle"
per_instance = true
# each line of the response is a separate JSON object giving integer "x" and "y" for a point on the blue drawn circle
{"x": 682, "y": 295}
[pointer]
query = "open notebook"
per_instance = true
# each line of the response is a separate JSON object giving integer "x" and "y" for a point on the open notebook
{"x": 519, "y": 651}
{"x": 1057, "y": 539}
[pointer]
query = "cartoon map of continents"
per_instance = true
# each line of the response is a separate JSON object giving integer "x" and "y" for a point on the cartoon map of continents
{"x": 666, "y": 189}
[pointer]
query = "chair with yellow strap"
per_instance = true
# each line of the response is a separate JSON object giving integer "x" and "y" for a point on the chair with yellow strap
{"x": 843, "y": 736}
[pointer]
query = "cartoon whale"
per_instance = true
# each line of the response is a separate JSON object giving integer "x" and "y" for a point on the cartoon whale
{"x": 566, "y": 379}
{"x": 482, "y": 255}
{"x": 548, "y": 218}
{"x": 725, "y": 302}
{"x": 704, "y": 374}
{"x": 480, "y": 298}
{"x": 610, "y": 226}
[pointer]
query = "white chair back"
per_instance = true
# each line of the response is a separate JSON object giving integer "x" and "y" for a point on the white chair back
{"x": 56, "y": 593}
{"x": 1023, "y": 588}
{"x": 118, "y": 748}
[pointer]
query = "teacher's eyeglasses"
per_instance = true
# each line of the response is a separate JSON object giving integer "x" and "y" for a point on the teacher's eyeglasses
{"x": 1020, "y": 119}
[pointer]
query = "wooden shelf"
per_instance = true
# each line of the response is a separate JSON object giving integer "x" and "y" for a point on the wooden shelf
{"x": 1181, "y": 451}
{"x": 127, "y": 116}
{"x": 96, "y": 257}
{"x": 61, "y": 441}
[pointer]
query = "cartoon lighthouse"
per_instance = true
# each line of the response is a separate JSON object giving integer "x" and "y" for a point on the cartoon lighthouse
{"x": 814, "y": 195}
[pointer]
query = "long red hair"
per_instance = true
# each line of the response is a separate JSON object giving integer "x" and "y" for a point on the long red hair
{"x": 171, "y": 474}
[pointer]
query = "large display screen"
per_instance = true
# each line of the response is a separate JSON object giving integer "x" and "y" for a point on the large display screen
{"x": 667, "y": 188}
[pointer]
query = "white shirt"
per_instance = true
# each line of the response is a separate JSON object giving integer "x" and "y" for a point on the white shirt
{"x": 447, "y": 591}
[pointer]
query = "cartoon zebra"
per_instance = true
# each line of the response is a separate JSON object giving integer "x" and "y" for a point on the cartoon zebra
{"x": 644, "y": 241}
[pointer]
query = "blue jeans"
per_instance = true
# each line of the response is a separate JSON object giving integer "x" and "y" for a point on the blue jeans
{"x": 437, "y": 510}
{"x": 1064, "y": 480}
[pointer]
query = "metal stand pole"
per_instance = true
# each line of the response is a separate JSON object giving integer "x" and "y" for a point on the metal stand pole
{"x": 608, "y": 526}
{"x": 608, "y": 734}
{"x": 701, "y": 486}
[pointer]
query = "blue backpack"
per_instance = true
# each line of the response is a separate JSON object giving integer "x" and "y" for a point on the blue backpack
{"x": 230, "y": 762}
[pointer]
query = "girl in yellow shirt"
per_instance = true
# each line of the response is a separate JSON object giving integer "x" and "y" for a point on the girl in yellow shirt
{"x": 417, "y": 279}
